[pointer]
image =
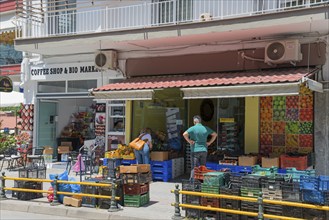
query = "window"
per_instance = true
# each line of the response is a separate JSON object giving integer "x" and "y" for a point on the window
{"x": 51, "y": 87}
{"x": 81, "y": 85}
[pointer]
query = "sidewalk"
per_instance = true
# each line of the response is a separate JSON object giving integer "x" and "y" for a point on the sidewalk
{"x": 158, "y": 208}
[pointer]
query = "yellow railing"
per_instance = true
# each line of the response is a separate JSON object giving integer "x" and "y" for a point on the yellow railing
{"x": 55, "y": 182}
{"x": 259, "y": 200}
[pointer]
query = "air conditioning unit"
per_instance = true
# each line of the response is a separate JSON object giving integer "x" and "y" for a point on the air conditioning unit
{"x": 283, "y": 52}
{"x": 106, "y": 59}
{"x": 205, "y": 17}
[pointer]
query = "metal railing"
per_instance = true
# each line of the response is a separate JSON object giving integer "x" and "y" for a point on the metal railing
{"x": 77, "y": 20}
{"x": 260, "y": 201}
{"x": 113, "y": 198}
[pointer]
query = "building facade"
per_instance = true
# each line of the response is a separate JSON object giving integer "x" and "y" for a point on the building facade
{"x": 261, "y": 66}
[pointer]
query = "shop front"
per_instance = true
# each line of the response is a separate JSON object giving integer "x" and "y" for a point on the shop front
{"x": 260, "y": 112}
{"x": 63, "y": 113}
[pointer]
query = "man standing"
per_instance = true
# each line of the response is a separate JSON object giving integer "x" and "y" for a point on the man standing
{"x": 197, "y": 137}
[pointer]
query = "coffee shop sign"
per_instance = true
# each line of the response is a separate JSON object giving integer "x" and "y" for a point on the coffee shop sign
{"x": 63, "y": 70}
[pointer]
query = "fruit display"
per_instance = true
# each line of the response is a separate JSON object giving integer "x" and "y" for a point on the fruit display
{"x": 265, "y": 149}
{"x": 305, "y": 150}
{"x": 306, "y": 128}
{"x": 123, "y": 151}
{"x": 292, "y": 140}
{"x": 266, "y": 115}
{"x": 279, "y": 140}
{"x": 306, "y": 140}
{"x": 279, "y": 102}
{"x": 292, "y": 127}
{"x": 292, "y": 150}
{"x": 266, "y": 127}
{"x": 292, "y": 101}
{"x": 279, "y": 115}
{"x": 306, "y": 102}
{"x": 266, "y": 139}
{"x": 292, "y": 114}
{"x": 306, "y": 114}
{"x": 278, "y": 149}
{"x": 303, "y": 90}
{"x": 279, "y": 127}
{"x": 266, "y": 102}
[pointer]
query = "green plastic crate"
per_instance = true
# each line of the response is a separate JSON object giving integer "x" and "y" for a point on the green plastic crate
{"x": 214, "y": 179}
{"x": 205, "y": 188}
{"x": 261, "y": 171}
{"x": 136, "y": 200}
{"x": 250, "y": 192}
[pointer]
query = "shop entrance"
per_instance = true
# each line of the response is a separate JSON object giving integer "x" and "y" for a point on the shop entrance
{"x": 47, "y": 123}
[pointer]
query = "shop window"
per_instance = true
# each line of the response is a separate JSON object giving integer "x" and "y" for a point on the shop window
{"x": 51, "y": 87}
{"x": 116, "y": 123}
{"x": 81, "y": 85}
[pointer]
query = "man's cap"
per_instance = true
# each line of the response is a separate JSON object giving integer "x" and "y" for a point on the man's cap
{"x": 197, "y": 117}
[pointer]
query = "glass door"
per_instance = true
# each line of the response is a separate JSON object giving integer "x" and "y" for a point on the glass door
{"x": 47, "y": 124}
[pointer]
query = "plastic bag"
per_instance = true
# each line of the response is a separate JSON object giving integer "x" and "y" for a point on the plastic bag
{"x": 75, "y": 188}
{"x": 63, "y": 187}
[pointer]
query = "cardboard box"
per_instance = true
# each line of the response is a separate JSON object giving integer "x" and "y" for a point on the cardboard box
{"x": 159, "y": 155}
{"x": 247, "y": 160}
{"x": 135, "y": 168}
{"x": 270, "y": 162}
{"x": 72, "y": 201}
{"x": 48, "y": 150}
{"x": 63, "y": 149}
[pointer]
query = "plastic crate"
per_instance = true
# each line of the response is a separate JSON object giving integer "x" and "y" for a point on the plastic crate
{"x": 291, "y": 211}
{"x": 243, "y": 169}
{"x": 135, "y": 189}
{"x": 34, "y": 173}
{"x": 314, "y": 214}
{"x": 272, "y": 183}
{"x": 208, "y": 201}
{"x": 27, "y": 185}
{"x": 294, "y": 175}
{"x": 273, "y": 209}
{"x": 209, "y": 189}
{"x": 162, "y": 177}
{"x": 140, "y": 178}
{"x": 212, "y": 166}
{"x": 230, "y": 203}
{"x": 193, "y": 214}
{"x": 112, "y": 163}
{"x": 210, "y": 215}
{"x": 309, "y": 182}
{"x": 89, "y": 201}
{"x": 272, "y": 194}
{"x": 228, "y": 216}
{"x": 264, "y": 171}
{"x": 128, "y": 162}
{"x": 299, "y": 162}
{"x": 249, "y": 206}
{"x": 136, "y": 200}
{"x": 107, "y": 191}
{"x": 191, "y": 185}
{"x": 235, "y": 180}
{"x": 291, "y": 192}
{"x": 200, "y": 171}
{"x": 324, "y": 183}
{"x": 214, "y": 179}
{"x": 313, "y": 196}
{"x": 250, "y": 192}
{"x": 253, "y": 181}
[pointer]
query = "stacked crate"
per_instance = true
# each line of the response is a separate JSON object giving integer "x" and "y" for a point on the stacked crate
{"x": 177, "y": 167}
{"x": 212, "y": 181}
{"x": 250, "y": 187}
{"x": 194, "y": 186}
{"x": 89, "y": 201}
{"x": 161, "y": 170}
{"x": 229, "y": 203}
{"x": 315, "y": 190}
{"x": 107, "y": 191}
{"x": 136, "y": 188}
{"x": 271, "y": 189}
{"x": 112, "y": 165}
{"x": 27, "y": 185}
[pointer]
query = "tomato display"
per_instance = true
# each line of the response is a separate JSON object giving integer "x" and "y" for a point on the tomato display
{"x": 266, "y": 127}
{"x": 306, "y": 114}
{"x": 266, "y": 139}
{"x": 306, "y": 102}
{"x": 292, "y": 101}
{"x": 305, "y": 140}
{"x": 279, "y": 127}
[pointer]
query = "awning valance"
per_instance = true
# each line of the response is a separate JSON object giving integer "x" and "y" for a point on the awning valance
{"x": 272, "y": 82}
{"x": 125, "y": 95}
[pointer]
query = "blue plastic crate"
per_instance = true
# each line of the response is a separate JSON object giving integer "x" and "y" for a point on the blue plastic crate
{"x": 324, "y": 183}
{"x": 309, "y": 182}
{"x": 166, "y": 163}
{"x": 128, "y": 162}
{"x": 243, "y": 169}
{"x": 212, "y": 166}
{"x": 313, "y": 196}
{"x": 282, "y": 171}
{"x": 164, "y": 170}
{"x": 161, "y": 177}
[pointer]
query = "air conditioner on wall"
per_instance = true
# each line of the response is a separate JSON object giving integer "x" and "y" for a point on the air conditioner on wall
{"x": 106, "y": 59}
{"x": 283, "y": 52}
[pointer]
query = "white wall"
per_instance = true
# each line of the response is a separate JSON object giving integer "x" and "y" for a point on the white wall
{"x": 6, "y": 19}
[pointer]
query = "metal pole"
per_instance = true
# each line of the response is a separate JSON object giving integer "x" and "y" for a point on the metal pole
{"x": 55, "y": 201}
{"x": 177, "y": 215}
{"x": 260, "y": 206}
{"x": 113, "y": 206}
{"x": 2, "y": 187}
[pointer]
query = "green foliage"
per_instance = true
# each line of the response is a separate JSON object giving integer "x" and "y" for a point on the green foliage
{"x": 7, "y": 142}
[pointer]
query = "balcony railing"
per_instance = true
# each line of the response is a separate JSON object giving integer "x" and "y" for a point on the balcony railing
{"x": 78, "y": 20}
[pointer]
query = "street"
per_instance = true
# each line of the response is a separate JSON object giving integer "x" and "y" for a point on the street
{"x": 5, "y": 214}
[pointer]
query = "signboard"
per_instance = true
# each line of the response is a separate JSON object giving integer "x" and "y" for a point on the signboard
{"x": 226, "y": 120}
{"x": 61, "y": 70}
{"x": 6, "y": 85}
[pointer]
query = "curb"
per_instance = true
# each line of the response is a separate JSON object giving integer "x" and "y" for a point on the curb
{"x": 41, "y": 207}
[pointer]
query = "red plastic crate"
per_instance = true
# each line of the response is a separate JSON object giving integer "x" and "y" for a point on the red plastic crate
{"x": 199, "y": 171}
{"x": 299, "y": 162}
{"x": 207, "y": 201}
{"x": 135, "y": 189}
